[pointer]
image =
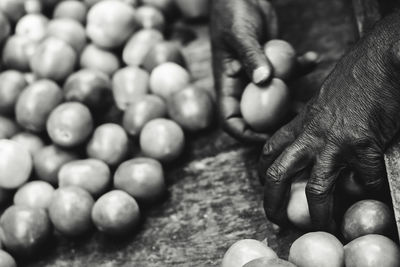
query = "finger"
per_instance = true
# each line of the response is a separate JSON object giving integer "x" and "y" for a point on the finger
{"x": 319, "y": 189}
{"x": 270, "y": 19}
{"x": 305, "y": 64}
{"x": 293, "y": 160}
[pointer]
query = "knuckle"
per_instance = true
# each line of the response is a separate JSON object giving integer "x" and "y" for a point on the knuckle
{"x": 375, "y": 184}
{"x": 275, "y": 173}
{"x": 316, "y": 191}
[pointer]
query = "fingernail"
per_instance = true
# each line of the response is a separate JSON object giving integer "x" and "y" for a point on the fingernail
{"x": 261, "y": 75}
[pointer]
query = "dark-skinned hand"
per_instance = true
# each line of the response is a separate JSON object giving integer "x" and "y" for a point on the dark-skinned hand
{"x": 348, "y": 125}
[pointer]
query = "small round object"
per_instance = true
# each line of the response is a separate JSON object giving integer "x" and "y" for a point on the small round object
{"x": 68, "y": 30}
{"x": 35, "y": 194}
{"x": 162, "y": 139}
{"x": 15, "y": 164}
{"x": 33, "y": 26}
{"x": 297, "y": 208}
{"x": 13, "y": 9}
{"x": 30, "y": 141}
{"x": 17, "y": 52}
{"x": 35, "y": 104}
{"x": 317, "y": 249}
{"x": 246, "y": 250}
{"x": 33, "y": 6}
{"x": 70, "y": 124}
{"x": 282, "y": 56}
{"x": 116, "y": 213}
{"x": 93, "y": 57}
{"x": 167, "y": 79}
{"x": 70, "y": 210}
{"x": 142, "y": 178}
{"x": 8, "y": 128}
{"x": 6, "y": 260}
{"x": 268, "y": 262}
{"x": 25, "y": 230}
{"x": 90, "y": 174}
{"x": 193, "y": 9}
{"x": 71, "y": 9}
{"x": 150, "y": 17}
{"x": 12, "y": 83}
{"x": 162, "y": 52}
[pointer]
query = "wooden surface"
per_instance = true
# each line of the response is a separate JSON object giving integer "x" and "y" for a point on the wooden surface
{"x": 214, "y": 195}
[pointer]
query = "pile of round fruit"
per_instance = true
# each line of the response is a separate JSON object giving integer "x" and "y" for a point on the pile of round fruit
{"x": 83, "y": 85}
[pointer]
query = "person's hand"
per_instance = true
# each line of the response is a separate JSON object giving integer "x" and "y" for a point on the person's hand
{"x": 348, "y": 125}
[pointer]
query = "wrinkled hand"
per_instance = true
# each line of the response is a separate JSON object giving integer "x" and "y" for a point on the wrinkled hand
{"x": 348, "y": 125}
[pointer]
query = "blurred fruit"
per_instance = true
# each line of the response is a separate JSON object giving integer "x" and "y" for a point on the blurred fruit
{"x": 317, "y": 249}
{"x": 93, "y": 57}
{"x": 13, "y": 9}
{"x": 265, "y": 107}
{"x": 90, "y": 87}
{"x": 68, "y": 30}
{"x": 192, "y": 108}
{"x": 142, "y": 178}
{"x": 33, "y": 6}
{"x": 282, "y": 56}
{"x": 49, "y": 160}
{"x": 372, "y": 251}
{"x": 8, "y": 128}
{"x": 193, "y": 9}
{"x": 53, "y": 59}
{"x": 31, "y": 142}
{"x": 129, "y": 84}
{"x": 162, "y": 139}
{"x": 5, "y": 28}
{"x": 30, "y": 77}
{"x": 116, "y": 213}
{"x": 167, "y": 79}
{"x": 150, "y": 17}
{"x": 70, "y": 124}
{"x": 367, "y": 217}
{"x": 15, "y": 164}
{"x": 246, "y": 250}
{"x": 141, "y": 111}
{"x": 132, "y": 3}
{"x": 297, "y": 208}
{"x": 268, "y": 262}
{"x": 109, "y": 143}
{"x": 70, "y": 210}
{"x": 11, "y": 85}
{"x": 90, "y": 174}
{"x": 139, "y": 45}
{"x": 35, "y": 104}
{"x": 25, "y": 230}
{"x": 6, "y": 260}
{"x": 33, "y": 26}
{"x": 168, "y": 7}
{"x": 17, "y": 52}
{"x": 110, "y": 23}
{"x": 162, "y": 52}
{"x": 71, "y": 9}
{"x": 35, "y": 194}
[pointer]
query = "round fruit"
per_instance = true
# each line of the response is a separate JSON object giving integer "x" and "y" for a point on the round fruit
{"x": 168, "y": 7}
{"x": 167, "y": 79}
{"x": 35, "y": 194}
{"x": 33, "y": 26}
{"x": 90, "y": 87}
{"x": 142, "y": 178}
{"x": 33, "y": 7}
{"x": 25, "y": 230}
{"x": 150, "y": 18}
{"x": 246, "y": 250}
{"x": 17, "y": 52}
{"x": 282, "y": 57}
{"x": 297, "y": 208}
{"x": 70, "y": 210}
{"x": 70, "y": 124}
{"x": 191, "y": 108}
{"x": 15, "y": 164}
{"x": 5, "y": 28}
{"x": 129, "y": 84}
{"x": 6, "y": 260}
{"x": 139, "y": 45}
{"x": 193, "y": 9}
{"x": 31, "y": 142}
{"x": 367, "y": 217}
{"x": 162, "y": 139}
{"x": 162, "y": 52}
{"x": 371, "y": 251}
{"x": 141, "y": 111}
{"x": 8, "y": 128}
{"x": 93, "y": 57}
{"x": 13, "y": 9}
{"x": 35, "y": 104}
{"x": 116, "y": 213}
{"x": 53, "y": 59}
{"x": 90, "y": 174}
{"x": 266, "y": 261}
{"x": 317, "y": 249}
{"x": 49, "y": 160}
{"x": 11, "y": 85}
{"x": 68, "y": 30}
{"x": 109, "y": 143}
{"x": 71, "y": 9}
{"x": 110, "y": 23}
{"x": 263, "y": 108}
